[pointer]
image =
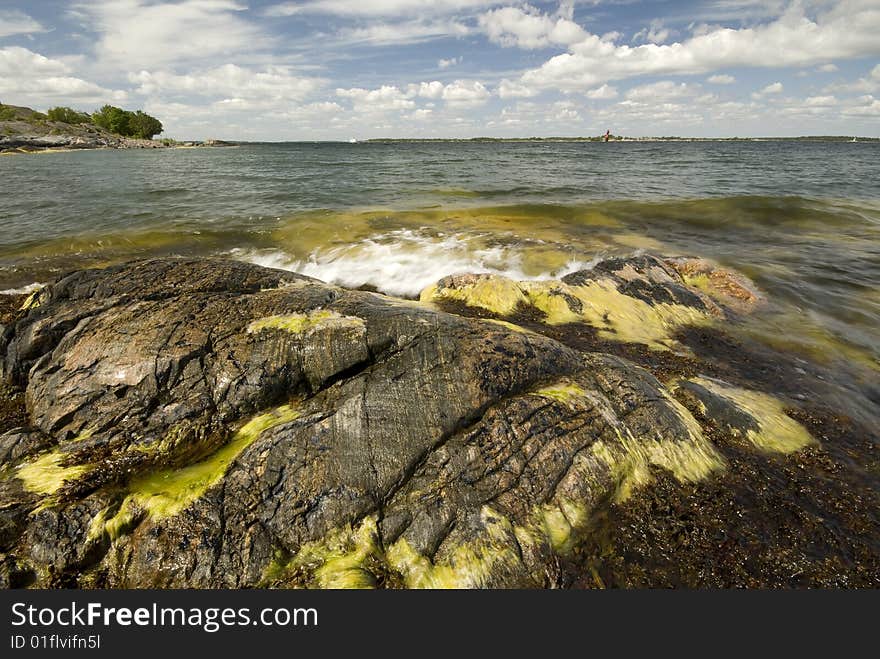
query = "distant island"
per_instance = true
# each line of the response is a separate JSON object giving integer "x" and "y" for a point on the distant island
{"x": 622, "y": 138}
{"x": 24, "y": 130}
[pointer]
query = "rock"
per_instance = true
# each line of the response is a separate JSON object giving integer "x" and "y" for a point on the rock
{"x": 732, "y": 289}
{"x": 207, "y": 423}
{"x": 636, "y": 300}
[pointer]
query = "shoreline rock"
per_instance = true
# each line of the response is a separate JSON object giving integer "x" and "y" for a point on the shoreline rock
{"x": 208, "y": 423}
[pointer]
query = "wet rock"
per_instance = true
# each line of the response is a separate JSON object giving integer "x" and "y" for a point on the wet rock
{"x": 731, "y": 289}
{"x": 636, "y": 300}
{"x": 205, "y": 423}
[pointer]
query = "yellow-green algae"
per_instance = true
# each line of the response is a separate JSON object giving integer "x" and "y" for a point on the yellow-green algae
{"x": 46, "y": 474}
{"x": 298, "y": 323}
{"x": 564, "y": 392}
{"x": 511, "y": 326}
{"x": 166, "y": 492}
{"x": 494, "y": 293}
{"x": 346, "y": 558}
{"x": 616, "y": 316}
{"x": 470, "y": 565}
{"x": 777, "y": 432}
{"x": 32, "y": 301}
{"x": 689, "y": 459}
{"x": 337, "y": 560}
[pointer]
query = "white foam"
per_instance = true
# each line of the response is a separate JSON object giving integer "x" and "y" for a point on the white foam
{"x": 30, "y": 288}
{"x": 404, "y": 262}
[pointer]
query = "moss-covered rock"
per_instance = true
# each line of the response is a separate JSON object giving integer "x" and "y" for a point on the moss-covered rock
{"x": 201, "y": 423}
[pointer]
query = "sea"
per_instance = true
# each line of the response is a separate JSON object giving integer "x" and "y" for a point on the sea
{"x": 801, "y": 218}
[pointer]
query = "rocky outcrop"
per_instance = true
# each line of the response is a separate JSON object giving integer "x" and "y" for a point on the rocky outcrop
{"x": 205, "y": 423}
{"x": 23, "y": 130}
{"x": 91, "y": 140}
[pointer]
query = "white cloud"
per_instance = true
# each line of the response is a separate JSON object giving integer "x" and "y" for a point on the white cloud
{"x": 387, "y": 97}
{"x": 867, "y": 106}
{"x": 827, "y": 68}
{"x": 721, "y": 79}
{"x": 18, "y": 62}
{"x": 404, "y": 32}
{"x": 529, "y": 29}
{"x": 847, "y": 30}
{"x": 14, "y": 22}
{"x": 446, "y": 63}
{"x": 458, "y": 94}
{"x": 772, "y": 88}
{"x": 422, "y": 114}
{"x": 565, "y": 111}
{"x": 661, "y": 91}
{"x": 363, "y": 8}
{"x": 653, "y": 33}
{"x": 510, "y": 89}
{"x": 820, "y": 101}
{"x": 465, "y": 93}
{"x": 28, "y": 78}
{"x": 602, "y": 93}
{"x": 869, "y": 83}
{"x": 138, "y": 32}
{"x": 433, "y": 89}
{"x": 273, "y": 83}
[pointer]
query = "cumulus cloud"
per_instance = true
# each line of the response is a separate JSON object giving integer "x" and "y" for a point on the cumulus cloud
{"x": 273, "y": 83}
{"x": 847, "y": 30}
{"x": 511, "y": 89}
{"x": 772, "y": 88}
{"x": 530, "y": 29}
{"x": 135, "y": 33}
{"x": 446, "y": 63}
{"x": 30, "y": 78}
{"x": 602, "y": 93}
{"x": 663, "y": 90}
{"x": 14, "y": 22}
{"x": 383, "y": 99}
{"x": 457, "y": 94}
{"x": 721, "y": 79}
{"x": 433, "y": 89}
{"x": 422, "y": 114}
{"x": 465, "y": 93}
{"x": 827, "y": 68}
{"x": 868, "y": 83}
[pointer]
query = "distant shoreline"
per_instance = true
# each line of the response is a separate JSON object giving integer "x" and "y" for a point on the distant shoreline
{"x": 806, "y": 138}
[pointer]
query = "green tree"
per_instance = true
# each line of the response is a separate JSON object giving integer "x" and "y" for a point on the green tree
{"x": 143, "y": 126}
{"x": 128, "y": 124}
{"x": 114, "y": 119}
{"x": 68, "y": 116}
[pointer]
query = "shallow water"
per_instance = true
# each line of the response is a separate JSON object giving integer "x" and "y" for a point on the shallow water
{"x": 802, "y": 219}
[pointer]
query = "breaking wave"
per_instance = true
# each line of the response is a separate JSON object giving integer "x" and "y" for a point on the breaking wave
{"x": 405, "y": 261}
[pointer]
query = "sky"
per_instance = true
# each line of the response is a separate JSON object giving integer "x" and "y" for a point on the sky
{"x": 280, "y": 70}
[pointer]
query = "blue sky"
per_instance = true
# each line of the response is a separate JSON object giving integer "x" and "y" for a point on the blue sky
{"x": 341, "y": 69}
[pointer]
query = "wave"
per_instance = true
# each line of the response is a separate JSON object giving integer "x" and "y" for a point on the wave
{"x": 23, "y": 290}
{"x": 405, "y": 261}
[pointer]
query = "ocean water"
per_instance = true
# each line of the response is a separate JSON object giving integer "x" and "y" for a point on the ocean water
{"x": 801, "y": 218}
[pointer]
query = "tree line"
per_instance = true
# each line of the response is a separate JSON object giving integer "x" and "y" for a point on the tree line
{"x": 122, "y": 122}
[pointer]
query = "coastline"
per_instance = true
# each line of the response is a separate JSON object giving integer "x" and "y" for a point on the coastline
{"x": 155, "y": 144}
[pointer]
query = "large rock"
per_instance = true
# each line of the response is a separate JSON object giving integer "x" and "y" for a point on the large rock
{"x": 203, "y": 423}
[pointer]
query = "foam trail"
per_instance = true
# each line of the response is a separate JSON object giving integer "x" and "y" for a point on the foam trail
{"x": 30, "y": 288}
{"x": 403, "y": 262}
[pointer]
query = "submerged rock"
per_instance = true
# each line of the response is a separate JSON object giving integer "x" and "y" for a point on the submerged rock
{"x": 206, "y": 423}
